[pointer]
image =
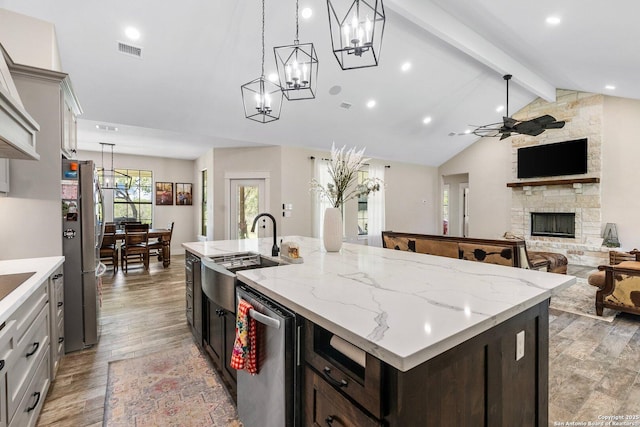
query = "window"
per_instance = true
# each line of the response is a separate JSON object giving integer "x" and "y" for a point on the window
{"x": 445, "y": 209}
{"x": 203, "y": 203}
{"x": 362, "y": 206}
{"x": 136, "y": 203}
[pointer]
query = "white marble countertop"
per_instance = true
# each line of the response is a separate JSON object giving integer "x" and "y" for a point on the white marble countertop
{"x": 402, "y": 307}
{"x": 43, "y": 267}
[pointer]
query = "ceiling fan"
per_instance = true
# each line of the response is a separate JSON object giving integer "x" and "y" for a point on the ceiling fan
{"x": 510, "y": 126}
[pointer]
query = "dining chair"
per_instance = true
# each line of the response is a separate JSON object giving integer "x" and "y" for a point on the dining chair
{"x": 155, "y": 247}
{"x": 109, "y": 248}
{"x": 135, "y": 247}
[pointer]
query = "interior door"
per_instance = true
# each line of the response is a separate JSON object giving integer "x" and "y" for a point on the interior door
{"x": 247, "y": 201}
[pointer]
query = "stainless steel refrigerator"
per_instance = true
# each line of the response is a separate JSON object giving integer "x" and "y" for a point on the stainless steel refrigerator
{"x": 82, "y": 230}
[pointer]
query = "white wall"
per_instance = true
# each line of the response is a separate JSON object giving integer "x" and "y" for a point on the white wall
{"x": 31, "y": 215}
{"x": 411, "y": 198}
{"x": 29, "y": 41}
{"x": 621, "y": 152}
{"x": 488, "y": 163}
{"x": 164, "y": 170}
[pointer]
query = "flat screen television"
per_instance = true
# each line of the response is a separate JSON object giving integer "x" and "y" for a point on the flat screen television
{"x": 562, "y": 158}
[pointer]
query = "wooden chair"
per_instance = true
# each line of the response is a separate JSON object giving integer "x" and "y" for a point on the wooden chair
{"x": 136, "y": 245}
{"x": 155, "y": 248}
{"x": 109, "y": 248}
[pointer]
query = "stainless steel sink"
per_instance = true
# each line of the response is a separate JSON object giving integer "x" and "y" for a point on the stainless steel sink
{"x": 219, "y": 278}
{"x": 9, "y": 282}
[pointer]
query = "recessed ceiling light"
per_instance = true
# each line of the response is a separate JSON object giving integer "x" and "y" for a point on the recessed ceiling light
{"x": 499, "y": 108}
{"x": 553, "y": 20}
{"x": 306, "y": 13}
{"x": 426, "y": 120}
{"x": 107, "y": 128}
{"x": 132, "y": 32}
{"x": 467, "y": 132}
{"x": 371, "y": 104}
{"x": 406, "y": 66}
{"x": 273, "y": 77}
{"x": 610, "y": 87}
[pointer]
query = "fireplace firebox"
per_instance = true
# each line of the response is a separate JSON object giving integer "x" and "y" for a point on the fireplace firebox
{"x": 553, "y": 224}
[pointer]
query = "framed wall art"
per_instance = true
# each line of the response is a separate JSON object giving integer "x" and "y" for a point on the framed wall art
{"x": 164, "y": 193}
{"x": 183, "y": 194}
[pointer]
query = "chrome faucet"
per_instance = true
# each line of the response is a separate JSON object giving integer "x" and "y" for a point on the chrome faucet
{"x": 274, "y": 248}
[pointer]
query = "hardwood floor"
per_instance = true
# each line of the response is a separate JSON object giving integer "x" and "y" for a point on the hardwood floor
{"x": 142, "y": 312}
{"x": 594, "y": 365}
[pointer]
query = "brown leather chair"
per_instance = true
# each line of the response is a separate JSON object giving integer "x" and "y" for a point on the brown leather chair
{"x": 155, "y": 247}
{"x": 136, "y": 245}
{"x": 109, "y": 248}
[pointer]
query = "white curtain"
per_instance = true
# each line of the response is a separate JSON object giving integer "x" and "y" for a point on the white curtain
{"x": 320, "y": 202}
{"x": 375, "y": 208}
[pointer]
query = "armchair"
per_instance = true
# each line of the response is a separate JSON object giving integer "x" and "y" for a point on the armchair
{"x": 618, "y": 286}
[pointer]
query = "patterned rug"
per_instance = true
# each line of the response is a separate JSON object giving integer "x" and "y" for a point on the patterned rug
{"x": 580, "y": 299}
{"x": 173, "y": 388}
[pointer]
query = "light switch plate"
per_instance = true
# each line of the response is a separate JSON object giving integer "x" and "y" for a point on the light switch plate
{"x": 519, "y": 345}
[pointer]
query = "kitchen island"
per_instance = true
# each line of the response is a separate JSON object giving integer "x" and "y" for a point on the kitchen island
{"x": 448, "y": 341}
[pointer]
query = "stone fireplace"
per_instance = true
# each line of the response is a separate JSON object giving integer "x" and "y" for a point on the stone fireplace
{"x": 557, "y": 203}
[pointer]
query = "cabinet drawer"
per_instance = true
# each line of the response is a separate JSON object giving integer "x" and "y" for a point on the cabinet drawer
{"x": 33, "y": 400}
{"x": 29, "y": 310}
{"x": 7, "y": 345}
{"x": 362, "y": 384}
{"x": 326, "y": 407}
{"x": 29, "y": 351}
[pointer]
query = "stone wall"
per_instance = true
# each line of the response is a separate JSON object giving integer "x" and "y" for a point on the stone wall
{"x": 583, "y": 114}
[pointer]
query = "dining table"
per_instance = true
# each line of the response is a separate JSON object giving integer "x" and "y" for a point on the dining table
{"x": 164, "y": 234}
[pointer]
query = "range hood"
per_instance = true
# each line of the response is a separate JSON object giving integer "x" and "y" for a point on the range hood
{"x": 17, "y": 128}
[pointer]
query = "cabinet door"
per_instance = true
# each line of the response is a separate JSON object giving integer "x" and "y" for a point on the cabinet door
{"x": 229, "y": 373}
{"x": 4, "y": 175}
{"x": 197, "y": 300}
{"x": 214, "y": 337}
{"x": 69, "y": 131}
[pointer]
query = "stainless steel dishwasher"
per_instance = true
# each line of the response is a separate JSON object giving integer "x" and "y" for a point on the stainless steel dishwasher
{"x": 272, "y": 398}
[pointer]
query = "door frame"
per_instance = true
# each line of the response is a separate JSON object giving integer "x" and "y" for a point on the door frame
{"x": 228, "y": 176}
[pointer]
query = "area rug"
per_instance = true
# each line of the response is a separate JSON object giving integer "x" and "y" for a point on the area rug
{"x": 172, "y": 388}
{"x": 580, "y": 299}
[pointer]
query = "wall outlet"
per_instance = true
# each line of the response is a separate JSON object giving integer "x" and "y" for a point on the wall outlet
{"x": 519, "y": 345}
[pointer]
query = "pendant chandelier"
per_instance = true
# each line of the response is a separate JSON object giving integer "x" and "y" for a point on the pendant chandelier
{"x": 356, "y": 32}
{"x": 297, "y": 68}
{"x": 261, "y": 98}
{"x": 111, "y": 179}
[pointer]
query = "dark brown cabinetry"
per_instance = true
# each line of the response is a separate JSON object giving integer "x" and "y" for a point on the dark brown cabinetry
{"x": 219, "y": 336}
{"x": 193, "y": 279}
{"x": 480, "y": 382}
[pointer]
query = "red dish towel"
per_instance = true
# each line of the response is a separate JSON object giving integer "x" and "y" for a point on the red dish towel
{"x": 244, "y": 348}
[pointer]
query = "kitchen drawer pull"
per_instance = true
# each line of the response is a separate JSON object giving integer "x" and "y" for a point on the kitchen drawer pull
{"x": 220, "y": 312}
{"x": 327, "y": 374}
{"x": 329, "y": 420}
{"x": 60, "y": 303}
{"x": 60, "y": 340}
{"x": 36, "y": 345}
{"x": 57, "y": 276}
{"x": 1, "y": 365}
{"x": 37, "y": 396}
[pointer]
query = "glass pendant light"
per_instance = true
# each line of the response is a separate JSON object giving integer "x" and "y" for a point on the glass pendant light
{"x": 261, "y": 98}
{"x": 297, "y": 68}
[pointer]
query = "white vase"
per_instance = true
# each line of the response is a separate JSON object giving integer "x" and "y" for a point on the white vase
{"x": 332, "y": 231}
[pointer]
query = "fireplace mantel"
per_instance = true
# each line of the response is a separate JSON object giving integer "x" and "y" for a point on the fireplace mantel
{"x": 553, "y": 182}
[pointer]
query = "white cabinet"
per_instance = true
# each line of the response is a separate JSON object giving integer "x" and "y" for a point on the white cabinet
{"x": 25, "y": 355}
{"x": 4, "y": 175}
{"x": 70, "y": 112}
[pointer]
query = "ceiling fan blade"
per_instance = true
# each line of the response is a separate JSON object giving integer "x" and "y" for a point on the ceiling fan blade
{"x": 505, "y": 136}
{"x": 543, "y": 120}
{"x": 555, "y": 125}
{"x": 529, "y": 127}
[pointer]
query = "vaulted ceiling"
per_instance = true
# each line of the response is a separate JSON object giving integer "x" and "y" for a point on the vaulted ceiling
{"x": 183, "y": 96}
